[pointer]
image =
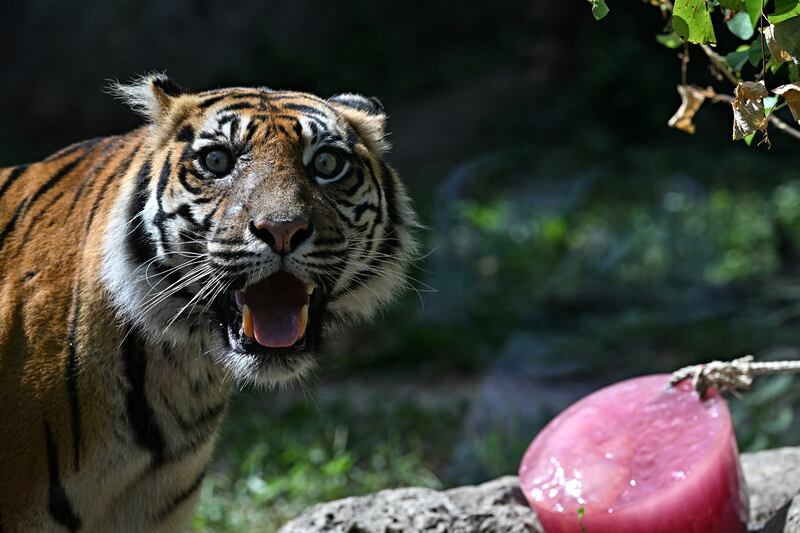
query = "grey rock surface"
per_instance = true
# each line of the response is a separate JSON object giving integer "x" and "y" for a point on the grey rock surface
{"x": 772, "y": 477}
{"x": 494, "y": 507}
{"x": 793, "y": 517}
{"x": 773, "y": 480}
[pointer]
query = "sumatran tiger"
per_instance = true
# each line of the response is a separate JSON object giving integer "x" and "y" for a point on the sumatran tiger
{"x": 145, "y": 276}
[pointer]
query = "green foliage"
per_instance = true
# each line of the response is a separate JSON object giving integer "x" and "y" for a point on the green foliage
{"x": 741, "y": 25}
{"x": 771, "y": 31}
{"x": 691, "y": 20}
{"x": 765, "y": 417}
{"x": 599, "y": 8}
{"x": 278, "y": 461}
{"x": 784, "y": 10}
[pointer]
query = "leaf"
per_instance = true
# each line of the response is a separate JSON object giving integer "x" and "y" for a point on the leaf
{"x": 748, "y": 109}
{"x": 691, "y": 20}
{"x": 779, "y": 53}
{"x": 754, "y": 54}
{"x": 748, "y": 140}
{"x": 784, "y": 9}
{"x": 787, "y": 35}
{"x": 691, "y": 100}
{"x": 741, "y": 26}
{"x": 670, "y": 40}
{"x": 599, "y": 8}
{"x": 791, "y": 95}
{"x": 753, "y": 8}
{"x": 733, "y": 5}
{"x": 736, "y": 60}
{"x": 774, "y": 65}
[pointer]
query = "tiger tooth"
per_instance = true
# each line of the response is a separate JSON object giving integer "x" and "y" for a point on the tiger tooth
{"x": 310, "y": 288}
{"x": 303, "y": 319}
{"x": 247, "y": 321}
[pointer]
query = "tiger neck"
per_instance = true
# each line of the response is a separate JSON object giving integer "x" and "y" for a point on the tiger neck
{"x": 176, "y": 398}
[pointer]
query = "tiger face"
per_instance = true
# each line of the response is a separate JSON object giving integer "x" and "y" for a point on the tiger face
{"x": 258, "y": 222}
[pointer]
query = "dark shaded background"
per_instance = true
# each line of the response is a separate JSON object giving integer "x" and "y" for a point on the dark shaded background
{"x": 574, "y": 239}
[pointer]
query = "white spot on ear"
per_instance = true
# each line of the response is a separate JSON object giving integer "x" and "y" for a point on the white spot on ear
{"x": 150, "y": 95}
{"x": 366, "y": 116}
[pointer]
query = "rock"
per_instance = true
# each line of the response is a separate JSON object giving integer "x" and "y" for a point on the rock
{"x": 793, "y": 517}
{"x": 772, "y": 477}
{"x": 494, "y": 507}
{"x": 773, "y": 480}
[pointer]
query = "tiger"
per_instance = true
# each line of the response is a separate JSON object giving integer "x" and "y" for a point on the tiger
{"x": 147, "y": 276}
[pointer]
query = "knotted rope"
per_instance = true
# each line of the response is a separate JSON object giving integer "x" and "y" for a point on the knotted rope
{"x": 736, "y": 375}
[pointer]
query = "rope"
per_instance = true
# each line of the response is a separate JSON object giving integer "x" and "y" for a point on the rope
{"x": 736, "y": 375}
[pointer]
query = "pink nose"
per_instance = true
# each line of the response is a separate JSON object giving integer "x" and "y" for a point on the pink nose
{"x": 282, "y": 236}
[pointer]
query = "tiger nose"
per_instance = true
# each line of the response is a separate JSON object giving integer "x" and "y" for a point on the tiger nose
{"x": 283, "y": 236}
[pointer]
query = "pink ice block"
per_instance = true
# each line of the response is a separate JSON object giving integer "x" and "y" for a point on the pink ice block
{"x": 633, "y": 458}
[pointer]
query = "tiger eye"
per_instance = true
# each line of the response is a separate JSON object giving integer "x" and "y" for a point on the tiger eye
{"x": 327, "y": 163}
{"x": 218, "y": 161}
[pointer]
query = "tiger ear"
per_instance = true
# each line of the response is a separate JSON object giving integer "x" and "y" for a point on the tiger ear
{"x": 366, "y": 115}
{"x": 152, "y": 95}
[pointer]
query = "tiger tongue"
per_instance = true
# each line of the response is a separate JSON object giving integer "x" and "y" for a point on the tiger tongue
{"x": 278, "y": 307}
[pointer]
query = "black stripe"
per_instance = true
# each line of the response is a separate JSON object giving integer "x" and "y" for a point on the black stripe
{"x": 307, "y": 109}
{"x": 58, "y": 176}
{"x": 16, "y": 172}
{"x": 389, "y": 195}
{"x": 72, "y": 378}
{"x": 201, "y": 421}
{"x": 359, "y": 175}
{"x": 360, "y": 209}
{"x": 181, "y": 497}
{"x": 234, "y": 128}
{"x": 58, "y": 503}
{"x": 92, "y": 173}
{"x": 182, "y": 178}
{"x": 390, "y": 241}
{"x": 211, "y": 136}
{"x": 237, "y": 106}
{"x": 71, "y": 149}
{"x": 119, "y": 171}
{"x": 138, "y": 243}
{"x": 141, "y": 416}
{"x": 38, "y": 216}
{"x": 161, "y": 217}
{"x": 313, "y": 119}
{"x": 185, "y": 212}
{"x": 252, "y": 126}
{"x": 381, "y": 193}
{"x": 26, "y": 204}
{"x": 208, "y": 102}
{"x": 185, "y": 135}
{"x": 328, "y": 241}
{"x": 11, "y": 224}
{"x": 325, "y": 254}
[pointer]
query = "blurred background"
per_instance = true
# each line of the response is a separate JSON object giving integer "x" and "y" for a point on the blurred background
{"x": 573, "y": 238}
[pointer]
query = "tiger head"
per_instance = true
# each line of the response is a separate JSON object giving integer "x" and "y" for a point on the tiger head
{"x": 256, "y": 221}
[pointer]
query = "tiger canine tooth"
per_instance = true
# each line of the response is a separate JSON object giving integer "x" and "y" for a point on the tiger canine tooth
{"x": 303, "y": 319}
{"x": 247, "y": 322}
{"x": 310, "y": 288}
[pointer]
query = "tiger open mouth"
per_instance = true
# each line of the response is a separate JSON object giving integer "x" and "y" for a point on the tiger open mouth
{"x": 278, "y": 315}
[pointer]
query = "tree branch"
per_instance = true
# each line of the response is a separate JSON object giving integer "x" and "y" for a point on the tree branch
{"x": 779, "y": 124}
{"x": 719, "y": 62}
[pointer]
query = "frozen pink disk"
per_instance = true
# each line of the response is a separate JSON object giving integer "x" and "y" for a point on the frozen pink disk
{"x": 635, "y": 457}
